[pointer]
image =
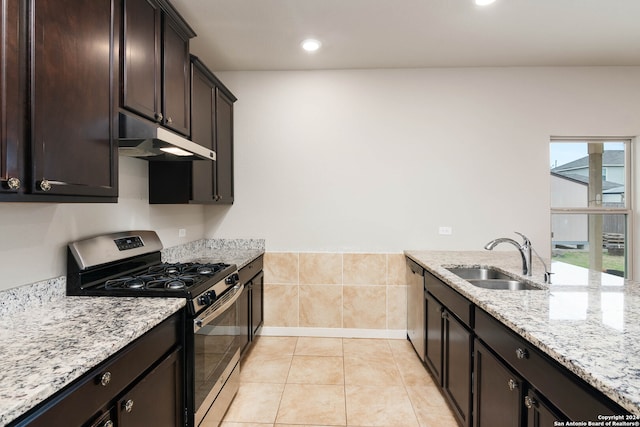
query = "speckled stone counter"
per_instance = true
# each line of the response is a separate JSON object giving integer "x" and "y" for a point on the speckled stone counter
{"x": 46, "y": 346}
{"x": 231, "y": 251}
{"x": 586, "y": 320}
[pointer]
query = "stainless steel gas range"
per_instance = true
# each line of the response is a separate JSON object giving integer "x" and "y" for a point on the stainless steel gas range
{"x": 129, "y": 264}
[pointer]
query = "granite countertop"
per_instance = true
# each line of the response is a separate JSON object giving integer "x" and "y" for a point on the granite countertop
{"x": 586, "y": 320}
{"x": 46, "y": 347}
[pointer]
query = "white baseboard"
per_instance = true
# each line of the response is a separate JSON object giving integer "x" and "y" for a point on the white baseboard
{"x": 278, "y": 331}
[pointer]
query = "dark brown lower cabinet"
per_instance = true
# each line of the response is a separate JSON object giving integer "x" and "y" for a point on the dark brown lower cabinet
{"x": 433, "y": 341}
{"x": 142, "y": 385}
{"x": 498, "y": 392}
{"x": 456, "y": 369}
{"x": 449, "y": 344}
{"x": 251, "y": 305}
{"x": 152, "y": 401}
{"x": 540, "y": 413}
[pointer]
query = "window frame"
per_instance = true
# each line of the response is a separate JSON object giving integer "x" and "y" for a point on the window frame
{"x": 627, "y": 210}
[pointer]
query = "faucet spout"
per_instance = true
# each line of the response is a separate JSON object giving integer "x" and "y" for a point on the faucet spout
{"x": 524, "y": 248}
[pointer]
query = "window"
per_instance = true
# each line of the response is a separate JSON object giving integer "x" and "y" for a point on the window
{"x": 590, "y": 203}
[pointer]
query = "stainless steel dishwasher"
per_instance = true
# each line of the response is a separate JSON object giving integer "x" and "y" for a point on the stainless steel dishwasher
{"x": 416, "y": 307}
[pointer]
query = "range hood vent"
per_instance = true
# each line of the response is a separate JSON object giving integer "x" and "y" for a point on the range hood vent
{"x": 148, "y": 141}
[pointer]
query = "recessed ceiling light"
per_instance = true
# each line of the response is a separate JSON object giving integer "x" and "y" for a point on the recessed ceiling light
{"x": 484, "y": 2}
{"x": 311, "y": 45}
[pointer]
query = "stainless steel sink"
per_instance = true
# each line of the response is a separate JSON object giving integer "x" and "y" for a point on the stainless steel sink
{"x": 504, "y": 284}
{"x": 478, "y": 273}
{"x": 489, "y": 278}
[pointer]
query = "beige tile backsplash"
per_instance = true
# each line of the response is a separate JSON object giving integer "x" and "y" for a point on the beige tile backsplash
{"x": 335, "y": 290}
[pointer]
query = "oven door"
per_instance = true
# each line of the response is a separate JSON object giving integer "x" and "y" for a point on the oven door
{"x": 216, "y": 356}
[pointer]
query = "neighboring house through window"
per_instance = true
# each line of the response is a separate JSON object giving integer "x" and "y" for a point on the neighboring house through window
{"x": 590, "y": 206}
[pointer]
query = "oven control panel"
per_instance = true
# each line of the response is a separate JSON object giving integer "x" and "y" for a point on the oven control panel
{"x": 130, "y": 242}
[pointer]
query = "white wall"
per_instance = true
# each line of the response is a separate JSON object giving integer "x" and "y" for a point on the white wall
{"x": 371, "y": 161}
{"x": 377, "y": 160}
{"x": 33, "y": 236}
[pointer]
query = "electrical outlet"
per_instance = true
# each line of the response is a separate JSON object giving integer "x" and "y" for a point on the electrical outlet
{"x": 445, "y": 231}
{"x": 182, "y": 232}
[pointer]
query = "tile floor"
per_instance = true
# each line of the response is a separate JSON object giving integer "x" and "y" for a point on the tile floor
{"x": 291, "y": 381}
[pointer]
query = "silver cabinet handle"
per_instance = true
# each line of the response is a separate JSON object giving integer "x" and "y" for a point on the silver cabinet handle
{"x": 522, "y": 353}
{"x": 169, "y": 120}
{"x": 45, "y": 185}
{"x": 108, "y": 423}
{"x": 14, "y": 183}
{"x": 105, "y": 379}
{"x": 529, "y": 402}
{"x": 159, "y": 116}
{"x": 128, "y": 405}
{"x": 512, "y": 384}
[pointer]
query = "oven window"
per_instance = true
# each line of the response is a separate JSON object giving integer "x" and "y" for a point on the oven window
{"x": 215, "y": 345}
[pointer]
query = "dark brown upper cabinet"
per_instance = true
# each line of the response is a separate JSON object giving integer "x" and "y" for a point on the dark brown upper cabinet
{"x": 12, "y": 136}
{"x": 155, "y": 63}
{"x": 58, "y": 119}
{"x": 201, "y": 181}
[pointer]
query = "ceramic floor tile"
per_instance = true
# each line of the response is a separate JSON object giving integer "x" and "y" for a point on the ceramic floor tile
{"x": 266, "y": 369}
{"x": 231, "y": 424}
{"x": 369, "y": 371}
{"x": 379, "y": 406}
{"x": 430, "y": 407}
{"x": 311, "y": 346}
{"x": 278, "y": 346}
{"x": 255, "y": 403}
{"x": 316, "y": 370}
{"x": 309, "y": 404}
{"x": 364, "y": 347}
{"x": 405, "y": 395}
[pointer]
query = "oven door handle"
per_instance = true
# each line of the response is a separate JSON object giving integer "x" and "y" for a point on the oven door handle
{"x": 200, "y": 322}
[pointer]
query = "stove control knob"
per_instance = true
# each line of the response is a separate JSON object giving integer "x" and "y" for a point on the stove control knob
{"x": 232, "y": 279}
{"x": 206, "y": 298}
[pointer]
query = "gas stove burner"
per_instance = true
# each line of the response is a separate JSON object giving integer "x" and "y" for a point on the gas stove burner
{"x": 136, "y": 283}
{"x": 206, "y": 269}
{"x": 133, "y": 283}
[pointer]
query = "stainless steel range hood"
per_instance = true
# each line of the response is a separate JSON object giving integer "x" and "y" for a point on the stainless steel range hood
{"x": 149, "y": 141}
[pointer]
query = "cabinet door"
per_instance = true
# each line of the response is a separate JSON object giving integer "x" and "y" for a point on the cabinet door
{"x": 456, "y": 378}
{"x": 202, "y": 132}
{"x": 73, "y": 44}
{"x": 498, "y": 393}
{"x": 11, "y": 100}
{"x": 141, "y": 58}
{"x": 540, "y": 413}
{"x": 157, "y": 399}
{"x": 434, "y": 330}
{"x": 224, "y": 148}
{"x": 175, "y": 77}
{"x": 257, "y": 302}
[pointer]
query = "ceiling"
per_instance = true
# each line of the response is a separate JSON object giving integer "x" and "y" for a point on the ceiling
{"x": 359, "y": 34}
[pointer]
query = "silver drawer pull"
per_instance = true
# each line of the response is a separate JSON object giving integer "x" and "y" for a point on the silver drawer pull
{"x": 128, "y": 405}
{"x": 512, "y": 385}
{"x": 529, "y": 402}
{"x": 522, "y": 353}
{"x": 105, "y": 379}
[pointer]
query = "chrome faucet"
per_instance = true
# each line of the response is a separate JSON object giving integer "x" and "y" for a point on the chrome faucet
{"x": 524, "y": 249}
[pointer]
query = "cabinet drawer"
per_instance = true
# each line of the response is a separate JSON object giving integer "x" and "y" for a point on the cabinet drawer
{"x": 573, "y": 396}
{"x": 455, "y": 303}
{"x": 87, "y": 396}
{"x": 247, "y": 272}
